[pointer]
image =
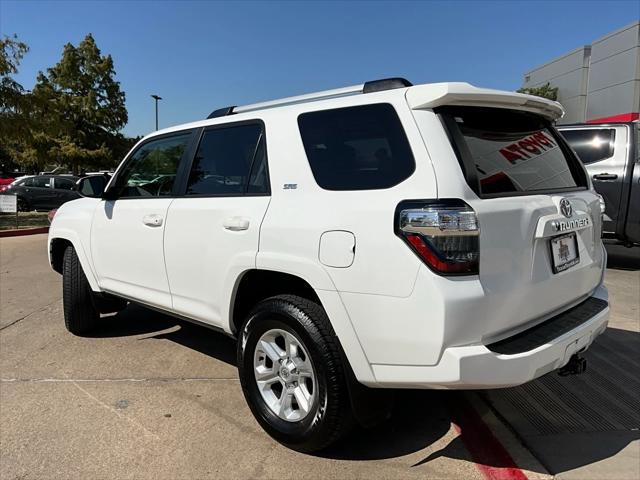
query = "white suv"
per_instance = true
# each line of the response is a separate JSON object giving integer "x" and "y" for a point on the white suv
{"x": 383, "y": 235}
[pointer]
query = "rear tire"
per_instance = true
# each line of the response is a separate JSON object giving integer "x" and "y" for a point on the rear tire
{"x": 80, "y": 313}
{"x": 293, "y": 320}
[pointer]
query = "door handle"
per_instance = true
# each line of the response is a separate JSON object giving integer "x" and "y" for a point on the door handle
{"x": 605, "y": 176}
{"x": 152, "y": 220}
{"x": 236, "y": 224}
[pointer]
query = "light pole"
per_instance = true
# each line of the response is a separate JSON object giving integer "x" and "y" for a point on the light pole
{"x": 156, "y": 98}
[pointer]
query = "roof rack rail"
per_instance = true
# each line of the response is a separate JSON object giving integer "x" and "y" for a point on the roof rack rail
{"x": 385, "y": 84}
{"x": 367, "y": 87}
{"x": 222, "y": 112}
{"x": 324, "y": 95}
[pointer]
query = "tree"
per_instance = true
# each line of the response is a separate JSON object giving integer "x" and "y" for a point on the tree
{"x": 11, "y": 53}
{"x": 13, "y": 100}
{"x": 85, "y": 106}
{"x": 544, "y": 91}
{"x": 73, "y": 115}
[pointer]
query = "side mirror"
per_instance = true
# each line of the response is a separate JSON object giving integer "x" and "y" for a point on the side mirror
{"x": 92, "y": 186}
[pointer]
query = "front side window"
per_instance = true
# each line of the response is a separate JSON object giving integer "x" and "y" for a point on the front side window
{"x": 510, "y": 151}
{"x": 591, "y": 145}
{"x": 356, "y": 148}
{"x": 152, "y": 169}
{"x": 229, "y": 161}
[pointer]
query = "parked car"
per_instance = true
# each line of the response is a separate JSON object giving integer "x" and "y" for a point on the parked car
{"x": 611, "y": 155}
{"x": 353, "y": 241}
{"x": 43, "y": 192}
{"x": 5, "y": 179}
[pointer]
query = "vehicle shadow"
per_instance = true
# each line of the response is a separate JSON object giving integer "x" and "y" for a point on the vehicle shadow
{"x": 419, "y": 418}
{"x": 566, "y": 422}
{"x": 572, "y": 422}
{"x": 145, "y": 323}
{"x": 623, "y": 258}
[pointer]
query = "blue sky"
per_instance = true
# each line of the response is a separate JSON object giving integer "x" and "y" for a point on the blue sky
{"x": 201, "y": 55}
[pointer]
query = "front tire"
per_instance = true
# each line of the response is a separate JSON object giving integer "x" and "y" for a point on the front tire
{"x": 80, "y": 313}
{"x": 288, "y": 344}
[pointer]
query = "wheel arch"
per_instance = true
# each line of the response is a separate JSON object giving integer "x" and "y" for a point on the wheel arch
{"x": 58, "y": 243}
{"x": 255, "y": 285}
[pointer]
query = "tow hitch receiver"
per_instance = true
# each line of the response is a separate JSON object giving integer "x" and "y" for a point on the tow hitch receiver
{"x": 575, "y": 366}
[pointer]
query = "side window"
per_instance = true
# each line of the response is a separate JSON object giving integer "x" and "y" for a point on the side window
{"x": 226, "y": 159}
{"x": 64, "y": 183}
{"x": 151, "y": 170}
{"x": 42, "y": 182}
{"x": 356, "y": 148}
{"x": 28, "y": 182}
{"x": 591, "y": 145}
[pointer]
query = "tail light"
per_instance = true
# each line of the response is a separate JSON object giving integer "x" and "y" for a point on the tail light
{"x": 443, "y": 233}
{"x": 3, "y": 188}
{"x": 603, "y": 205}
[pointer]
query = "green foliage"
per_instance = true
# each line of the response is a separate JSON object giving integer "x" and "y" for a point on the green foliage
{"x": 544, "y": 91}
{"x": 12, "y": 102}
{"x": 73, "y": 115}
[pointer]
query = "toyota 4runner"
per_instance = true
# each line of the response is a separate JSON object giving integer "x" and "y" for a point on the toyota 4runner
{"x": 353, "y": 241}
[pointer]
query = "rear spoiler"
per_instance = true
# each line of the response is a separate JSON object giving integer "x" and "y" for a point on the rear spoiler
{"x": 435, "y": 95}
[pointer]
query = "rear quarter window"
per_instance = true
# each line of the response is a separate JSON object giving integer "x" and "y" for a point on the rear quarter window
{"x": 356, "y": 148}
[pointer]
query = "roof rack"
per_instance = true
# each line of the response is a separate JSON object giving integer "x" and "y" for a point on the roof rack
{"x": 221, "y": 112}
{"x": 367, "y": 87}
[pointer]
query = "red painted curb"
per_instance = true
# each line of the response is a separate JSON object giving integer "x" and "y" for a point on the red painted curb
{"x": 491, "y": 458}
{"x": 23, "y": 231}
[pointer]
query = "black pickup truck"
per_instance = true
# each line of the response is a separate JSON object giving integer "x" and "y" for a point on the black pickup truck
{"x": 611, "y": 154}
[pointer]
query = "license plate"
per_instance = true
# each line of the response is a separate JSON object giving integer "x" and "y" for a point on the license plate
{"x": 564, "y": 252}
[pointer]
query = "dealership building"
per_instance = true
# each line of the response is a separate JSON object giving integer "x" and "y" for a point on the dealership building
{"x": 598, "y": 82}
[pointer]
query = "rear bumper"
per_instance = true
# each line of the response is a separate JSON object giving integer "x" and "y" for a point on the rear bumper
{"x": 478, "y": 367}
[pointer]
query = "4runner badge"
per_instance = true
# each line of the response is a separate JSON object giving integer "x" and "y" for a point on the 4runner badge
{"x": 573, "y": 224}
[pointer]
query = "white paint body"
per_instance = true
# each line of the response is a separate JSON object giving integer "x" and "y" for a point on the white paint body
{"x": 400, "y": 324}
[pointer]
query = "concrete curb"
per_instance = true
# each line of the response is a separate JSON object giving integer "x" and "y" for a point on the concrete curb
{"x": 522, "y": 457}
{"x": 23, "y": 231}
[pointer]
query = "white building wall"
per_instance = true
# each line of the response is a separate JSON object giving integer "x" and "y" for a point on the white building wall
{"x": 596, "y": 81}
{"x": 570, "y": 74}
{"x": 614, "y": 74}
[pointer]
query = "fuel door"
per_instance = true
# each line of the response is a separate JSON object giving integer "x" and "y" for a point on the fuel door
{"x": 337, "y": 248}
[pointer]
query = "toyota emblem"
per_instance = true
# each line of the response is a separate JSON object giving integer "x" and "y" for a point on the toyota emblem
{"x": 565, "y": 208}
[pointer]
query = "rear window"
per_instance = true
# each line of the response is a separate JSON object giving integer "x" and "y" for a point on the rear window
{"x": 510, "y": 152}
{"x": 356, "y": 148}
{"x": 229, "y": 161}
{"x": 591, "y": 145}
{"x": 64, "y": 183}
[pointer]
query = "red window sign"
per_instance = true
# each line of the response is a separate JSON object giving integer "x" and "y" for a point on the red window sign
{"x": 528, "y": 147}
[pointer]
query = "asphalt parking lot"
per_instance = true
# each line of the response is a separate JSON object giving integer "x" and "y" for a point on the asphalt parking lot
{"x": 149, "y": 396}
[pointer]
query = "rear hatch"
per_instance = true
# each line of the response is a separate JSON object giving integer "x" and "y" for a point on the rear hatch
{"x": 539, "y": 223}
